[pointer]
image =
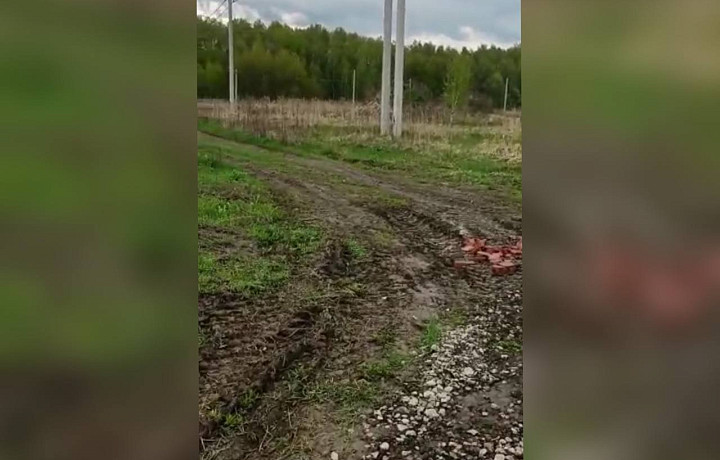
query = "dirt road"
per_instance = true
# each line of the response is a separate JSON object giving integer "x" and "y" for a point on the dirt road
{"x": 329, "y": 365}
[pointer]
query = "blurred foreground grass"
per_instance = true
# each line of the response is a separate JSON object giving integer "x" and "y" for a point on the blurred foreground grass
{"x": 621, "y": 230}
{"x": 98, "y": 208}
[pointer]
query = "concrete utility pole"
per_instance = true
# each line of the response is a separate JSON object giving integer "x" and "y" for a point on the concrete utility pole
{"x": 387, "y": 52}
{"x": 354, "y": 78}
{"x": 353, "y": 94}
{"x": 231, "y": 57}
{"x": 507, "y": 83}
{"x": 399, "y": 70}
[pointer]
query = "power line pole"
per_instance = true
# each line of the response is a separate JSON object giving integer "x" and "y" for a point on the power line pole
{"x": 399, "y": 70}
{"x": 236, "y": 84}
{"x": 507, "y": 83}
{"x": 387, "y": 52}
{"x": 354, "y": 83}
{"x": 231, "y": 49}
{"x": 354, "y": 80}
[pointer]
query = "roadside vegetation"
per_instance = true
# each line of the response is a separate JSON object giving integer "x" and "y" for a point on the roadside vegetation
{"x": 486, "y": 156}
{"x": 247, "y": 240}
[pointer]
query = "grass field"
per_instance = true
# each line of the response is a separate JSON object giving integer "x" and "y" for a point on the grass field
{"x": 487, "y": 156}
{"x": 239, "y": 208}
{"x": 324, "y": 272}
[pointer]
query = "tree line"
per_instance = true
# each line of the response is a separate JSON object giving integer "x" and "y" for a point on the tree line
{"x": 279, "y": 61}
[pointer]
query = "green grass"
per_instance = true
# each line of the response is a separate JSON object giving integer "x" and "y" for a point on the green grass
{"x": 228, "y": 422}
{"x": 432, "y": 333}
{"x": 298, "y": 239}
{"x": 386, "y": 337}
{"x": 350, "y": 396}
{"x": 217, "y": 129}
{"x": 356, "y": 248}
{"x": 455, "y": 318}
{"x": 460, "y": 159}
{"x": 232, "y": 199}
{"x": 385, "y": 368}
{"x": 248, "y": 399}
{"x": 510, "y": 346}
{"x": 218, "y": 212}
{"x": 246, "y": 275}
{"x": 384, "y": 239}
{"x": 202, "y": 340}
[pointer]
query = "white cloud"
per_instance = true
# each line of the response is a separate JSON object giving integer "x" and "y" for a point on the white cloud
{"x": 245, "y": 12}
{"x": 454, "y": 23}
{"x": 468, "y": 38}
{"x": 294, "y": 19}
{"x": 208, "y": 7}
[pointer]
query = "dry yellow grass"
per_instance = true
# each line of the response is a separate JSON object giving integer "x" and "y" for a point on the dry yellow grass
{"x": 427, "y": 127}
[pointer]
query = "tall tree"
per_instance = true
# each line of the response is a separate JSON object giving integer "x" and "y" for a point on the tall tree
{"x": 457, "y": 84}
{"x": 275, "y": 60}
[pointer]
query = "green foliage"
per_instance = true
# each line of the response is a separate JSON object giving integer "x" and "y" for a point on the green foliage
{"x": 431, "y": 334}
{"x": 457, "y": 82}
{"x": 228, "y": 422}
{"x": 202, "y": 340}
{"x": 232, "y": 199}
{"x": 232, "y": 422}
{"x": 299, "y": 239}
{"x": 461, "y": 158}
{"x": 510, "y": 346}
{"x": 357, "y": 250}
{"x": 217, "y": 211}
{"x": 247, "y": 399}
{"x": 276, "y": 60}
{"x": 350, "y": 395}
{"x": 386, "y": 337}
{"x": 385, "y": 368}
{"x": 455, "y": 318}
{"x": 242, "y": 274}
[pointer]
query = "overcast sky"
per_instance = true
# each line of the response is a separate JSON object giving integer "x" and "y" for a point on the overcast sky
{"x": 455, "y": 23}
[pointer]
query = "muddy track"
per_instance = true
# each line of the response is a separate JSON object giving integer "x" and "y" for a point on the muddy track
{"x": 255, "y": 342}
{"x": 484, "y": 213}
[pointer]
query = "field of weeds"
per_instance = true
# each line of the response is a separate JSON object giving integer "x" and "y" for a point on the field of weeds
{"x": 427, "y": 127}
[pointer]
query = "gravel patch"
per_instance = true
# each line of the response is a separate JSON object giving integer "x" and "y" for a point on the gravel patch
{"x": 466, "y": 402}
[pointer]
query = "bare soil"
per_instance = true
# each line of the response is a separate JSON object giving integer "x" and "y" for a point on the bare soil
{"x": 324, "y": 325}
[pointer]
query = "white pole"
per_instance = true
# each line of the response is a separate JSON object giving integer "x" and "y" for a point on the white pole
{"x": 387, "y": 54}
{"x": 507, "y": 82}
{"x": 354, "y": 77}
{"x": 231, "y": 57}
{"x": 399, "y": 70}
{"x": 353, "y": 106}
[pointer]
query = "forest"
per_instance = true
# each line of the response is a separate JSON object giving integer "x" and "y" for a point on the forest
{"x": 280, "y": 61}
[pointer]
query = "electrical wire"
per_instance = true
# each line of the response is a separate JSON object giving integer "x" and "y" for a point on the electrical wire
{"x": 224, "y": 3}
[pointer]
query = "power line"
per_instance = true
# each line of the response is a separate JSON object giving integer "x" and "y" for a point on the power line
{"x": 224, "y": 3}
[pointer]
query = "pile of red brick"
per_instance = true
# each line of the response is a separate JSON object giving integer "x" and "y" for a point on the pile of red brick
{"x": 504, "y": 260}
